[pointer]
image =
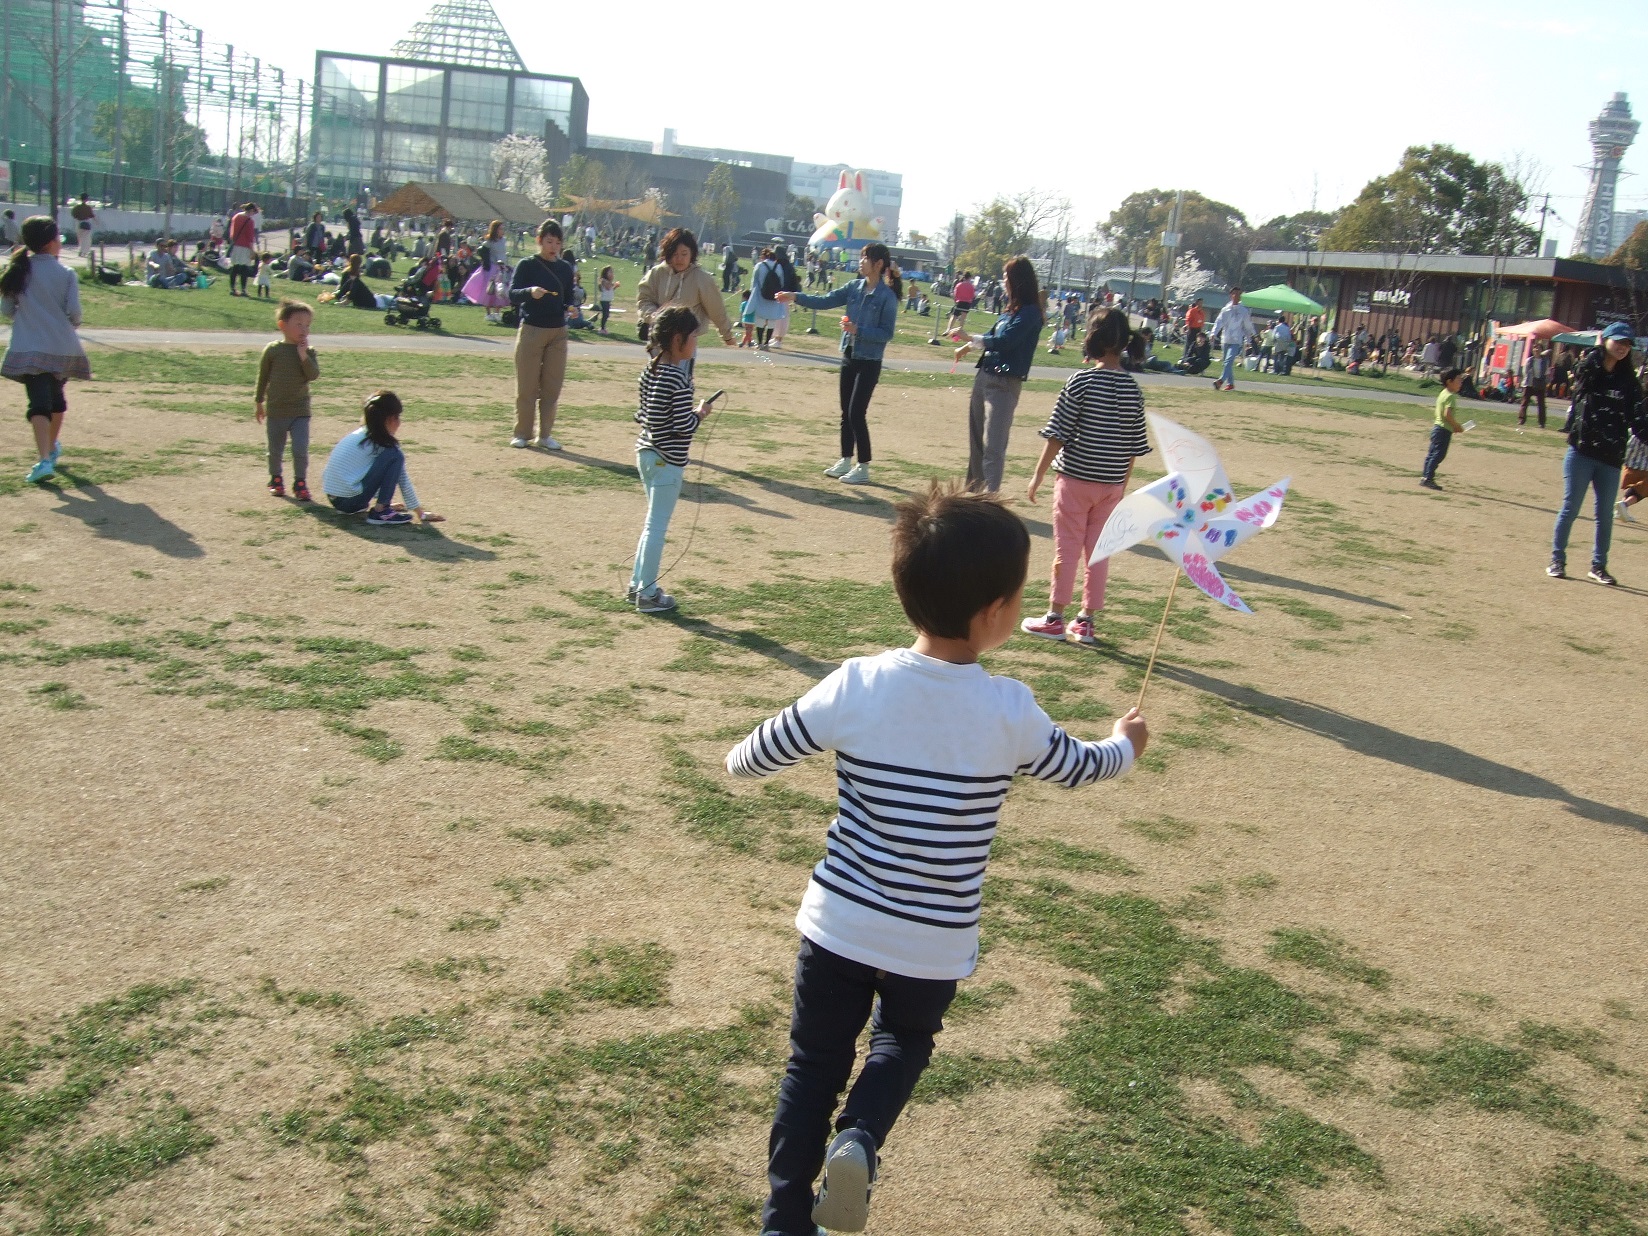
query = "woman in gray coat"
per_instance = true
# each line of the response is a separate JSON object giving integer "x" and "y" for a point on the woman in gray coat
{"x": 42, "y": 298}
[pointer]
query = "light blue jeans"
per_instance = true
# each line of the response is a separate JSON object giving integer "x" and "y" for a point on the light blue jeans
{"x": 1233, "y": 352}
{"x": 662, "y": 481}
{"x": 1579, "y": 473}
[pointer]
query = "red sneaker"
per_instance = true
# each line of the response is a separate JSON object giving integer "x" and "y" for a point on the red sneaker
{"x": 1081, "y": 630}
{"x": 300, "y": 491}
{"x": 1049, "y": 627}
{"x": 277, "y": 487}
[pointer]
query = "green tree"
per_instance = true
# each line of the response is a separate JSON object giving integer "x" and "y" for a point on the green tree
{"x": 1439, "y": 200}
{"x": 1299, "y": 231}
{"x": 798, "y": 214}
{"x": 1633, "y": 254}
{"x": 1217, "y": 232}
{"x": 718, "y": 205}
{"x": 186, "y": 143}
{"x": 991, "y": 238}
{"x": 582, "y": 176}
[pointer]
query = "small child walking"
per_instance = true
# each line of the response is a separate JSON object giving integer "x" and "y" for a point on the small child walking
{"x": 668, "y": 420}
{"x": 1095, "y": 433}
{"x": 926, "y": 746}
{"x": 365, "y": 468}
{"x": 41, "y": 296}
{"x": 266, "y": 277}
{"x": 746, "y": 316}
{"x": 1447, "y": 424}
{"x": 284, "y": 374}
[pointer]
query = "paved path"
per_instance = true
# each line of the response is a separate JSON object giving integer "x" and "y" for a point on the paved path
{"x": 502, "y": 346}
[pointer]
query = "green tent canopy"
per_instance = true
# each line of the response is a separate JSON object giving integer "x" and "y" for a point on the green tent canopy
{"x": 1279, "y": 298}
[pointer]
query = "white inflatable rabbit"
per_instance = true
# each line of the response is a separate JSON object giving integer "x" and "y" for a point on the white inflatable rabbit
{"x": 846, "y": 221}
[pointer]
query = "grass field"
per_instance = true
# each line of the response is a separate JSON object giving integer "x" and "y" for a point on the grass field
{"x": 387, "y": 881}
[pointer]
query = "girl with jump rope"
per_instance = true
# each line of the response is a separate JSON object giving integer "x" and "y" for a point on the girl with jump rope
{"x": 42, "y": 298}
{"x": 668, "y": 421}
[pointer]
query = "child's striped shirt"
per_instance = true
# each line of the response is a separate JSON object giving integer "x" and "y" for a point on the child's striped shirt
{"x": 1100, "y": 419}
{"x": 666, "y": 414}
{"x": 925, "y": 753}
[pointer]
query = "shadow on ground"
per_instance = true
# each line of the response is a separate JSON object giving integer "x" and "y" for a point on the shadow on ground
{"x": 115, "y": 519}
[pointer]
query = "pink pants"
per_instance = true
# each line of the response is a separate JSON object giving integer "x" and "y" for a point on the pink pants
{"x": 1079, "y": 511}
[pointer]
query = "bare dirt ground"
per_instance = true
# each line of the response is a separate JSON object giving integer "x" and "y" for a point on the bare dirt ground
{"x": 387, "y": 880}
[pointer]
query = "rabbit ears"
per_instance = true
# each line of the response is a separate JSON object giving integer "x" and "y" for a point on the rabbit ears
{"x": 858, "y": 181}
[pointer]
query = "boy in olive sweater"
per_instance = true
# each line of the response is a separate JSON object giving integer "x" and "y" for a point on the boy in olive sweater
{"x": 284, "y": 375}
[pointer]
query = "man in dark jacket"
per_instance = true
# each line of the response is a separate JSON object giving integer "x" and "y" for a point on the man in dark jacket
{"x": 1607, "y": 409}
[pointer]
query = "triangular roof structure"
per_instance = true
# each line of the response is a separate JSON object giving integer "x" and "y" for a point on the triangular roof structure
{"x": 459, "y": 203}
{"x": 464, "y": 32}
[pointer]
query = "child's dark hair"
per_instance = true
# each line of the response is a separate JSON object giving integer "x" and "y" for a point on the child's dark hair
{"x": 954, "y": 553}
{"x": 669, "y": 328}
{"x": 290, "y": 309}
{"x": 38, "y": 232}
{"x": 1108, "y": 331}
{"x": 381, "y": 407}
{"x": 1449, "y": 374}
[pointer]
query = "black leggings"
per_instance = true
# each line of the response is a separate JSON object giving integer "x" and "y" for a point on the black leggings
{"x": 858, "y": 383}
{"x": 46, "y": 397}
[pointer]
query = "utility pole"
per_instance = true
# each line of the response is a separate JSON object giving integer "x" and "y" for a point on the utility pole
{"x": 1539, "y": 245}
{"x": 1170, "y": 244}
{"x": 120, "y": 105}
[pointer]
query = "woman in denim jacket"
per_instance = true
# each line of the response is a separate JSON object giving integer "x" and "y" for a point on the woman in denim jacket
{"x": 1007, "y": 351}
{"x": 871, "y": 303}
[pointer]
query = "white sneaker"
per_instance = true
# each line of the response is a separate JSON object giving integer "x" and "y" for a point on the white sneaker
{"x": 843, "y": 1203}
{"x": 518, "y": 443}
{"x": 860, "y": 475}
{"x": 840, "y": 468}
{"x": 1622, "y": 509}
{"x": 549, "y": 443}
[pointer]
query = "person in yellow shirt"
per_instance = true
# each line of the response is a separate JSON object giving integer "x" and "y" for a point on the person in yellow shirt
{"x": 1446, "y": 426}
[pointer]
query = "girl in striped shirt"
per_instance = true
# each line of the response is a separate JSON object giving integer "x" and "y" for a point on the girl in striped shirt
{"x": 1095, "y": 433}
{"x": 668, "y": 420}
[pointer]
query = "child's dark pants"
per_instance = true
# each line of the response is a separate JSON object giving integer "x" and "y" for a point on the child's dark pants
{"x": 45, "y": 391}
{"x": 833, "y": 997}
{"x": 378, "y": 485}
{"x": 1441, "y": 437}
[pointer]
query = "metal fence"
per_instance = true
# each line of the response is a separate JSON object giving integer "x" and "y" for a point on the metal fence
{"x": 117, "y": 90}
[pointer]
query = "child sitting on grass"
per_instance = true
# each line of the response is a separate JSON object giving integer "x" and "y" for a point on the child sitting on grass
{"x": 1095, "y": 433}
{"x": 927, "y": 744}
{"x": 284, "y": 375}
{"x": 1446, "y": 425}
{"x": 668, "y": 420}
{"x": 364, "y": 469}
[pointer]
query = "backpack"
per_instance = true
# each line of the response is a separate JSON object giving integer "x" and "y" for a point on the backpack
{"x": 771, "y": 284}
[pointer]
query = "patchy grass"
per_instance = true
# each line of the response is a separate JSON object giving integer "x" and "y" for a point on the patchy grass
{"x": 1489, "y": 1077}
{"x": 1326, "y": 953}
{"x": 1575, "y": 1196}
{"x": 628, "y": 975}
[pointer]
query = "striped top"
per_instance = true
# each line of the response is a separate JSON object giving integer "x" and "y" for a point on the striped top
{"x": 1100, "y": 419}
{"x": 666, "y": 415}
{"x": 348, "y": 464}
{"x": 925, "y": 753}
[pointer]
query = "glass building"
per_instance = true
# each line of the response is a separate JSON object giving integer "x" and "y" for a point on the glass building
{"x": 380, "y": 121}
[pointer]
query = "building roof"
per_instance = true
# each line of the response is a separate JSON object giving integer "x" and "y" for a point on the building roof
{"x": 459, "y": 203}
{"x": 1462, "y": 265}
{"x": 462, "y": 32}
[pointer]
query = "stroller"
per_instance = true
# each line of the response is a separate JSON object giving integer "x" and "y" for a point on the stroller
{"x": 413, "y": 297}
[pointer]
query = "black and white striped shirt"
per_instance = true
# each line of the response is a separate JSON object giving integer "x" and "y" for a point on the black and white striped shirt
{"x": 1100, "y": 419}
{"x": 925, "y": 753}
{"x": 666, "y": 414}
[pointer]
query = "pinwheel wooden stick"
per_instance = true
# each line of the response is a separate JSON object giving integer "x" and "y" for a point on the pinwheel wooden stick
{"x": 1155, "y": 647}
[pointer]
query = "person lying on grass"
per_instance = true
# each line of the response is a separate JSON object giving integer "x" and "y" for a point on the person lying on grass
{"x": 364, "y": 469}
{"x": 926, "y": 744}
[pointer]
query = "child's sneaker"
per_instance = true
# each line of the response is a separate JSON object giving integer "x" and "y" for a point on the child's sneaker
{"x": 519, "y": 444}
{"x": 277, "y": 487}
{"x": 860, "y": 475}
{"x": 657, "y": 602}
{"x": 840, "y": 468}
{"x": 1081, "y": 630}
{"x": 42, "y": 471}
{"x": 300, "y": 491}
{"x": 1425, "y": 482}
{"x": 1599, "y": 575}
{"x": 1050, "y": 627}
{"x": 849, "y": 1175}
{"x": 1622, "y": 508}
{"x": 1557, "y": 570}
{"x": 57, "y": 449}
{"x": 388, "y": 515}
{"x": 549, "y": 443}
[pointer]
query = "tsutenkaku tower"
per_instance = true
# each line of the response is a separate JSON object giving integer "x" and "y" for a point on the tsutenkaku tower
{"x": 464, "y": 32}
{"x": 1611, "y": 135}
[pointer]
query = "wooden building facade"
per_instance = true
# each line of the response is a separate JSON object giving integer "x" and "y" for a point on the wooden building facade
{"x": 1442, "y": 295}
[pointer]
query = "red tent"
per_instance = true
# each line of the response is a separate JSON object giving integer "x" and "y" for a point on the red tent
{"x": 1545, "y": 328}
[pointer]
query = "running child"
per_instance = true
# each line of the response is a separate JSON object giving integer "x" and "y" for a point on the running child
{"x": 1447, "y": 424}
{"x": 926, "y": 746}
{"x": 364, "y": 469}
{"x": 42, "y": 298}
{"x": 668, "y": 420}
{"x": 1095, "y": 433}
{"x": 604, "y": 289}
{"x": 284, "y": 374}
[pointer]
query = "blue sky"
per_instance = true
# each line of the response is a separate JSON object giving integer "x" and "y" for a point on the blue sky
{"x": 1269, "y": 108}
